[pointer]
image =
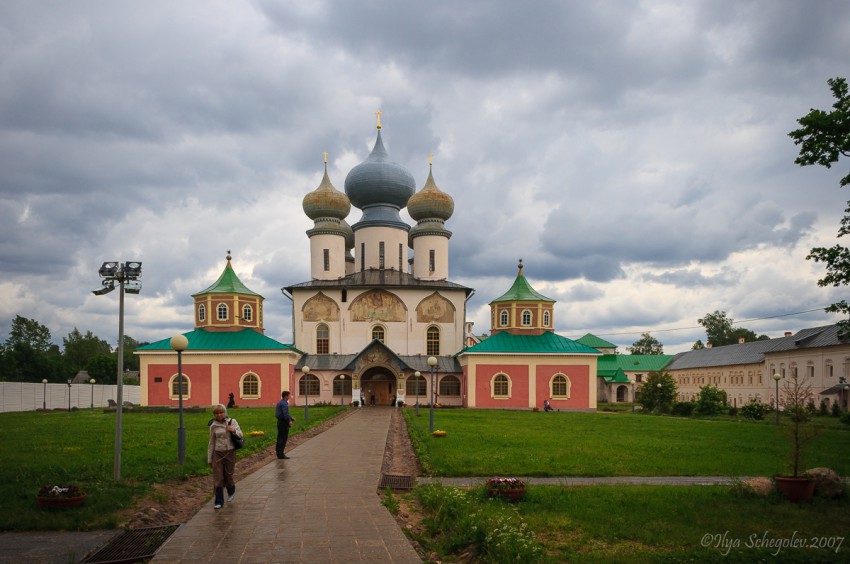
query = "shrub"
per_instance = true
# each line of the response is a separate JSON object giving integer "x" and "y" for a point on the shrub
{"x": 658, "y": 392}
{"x": 810, "y": 408}
{"x": 755, "y": 410}
{"x": 845, "y": 418}
{"x": 733, "y": 411}
{"x": 683, "y": 408}
{"x": 824, "y": 410}
{"x": 836, "y": 410}
{"x": 711, "y": 401}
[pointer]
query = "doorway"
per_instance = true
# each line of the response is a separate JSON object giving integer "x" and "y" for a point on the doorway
{"x": 379, "y": 384}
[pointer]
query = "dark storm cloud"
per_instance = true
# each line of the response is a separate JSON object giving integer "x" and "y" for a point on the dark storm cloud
{"x": 615, "y": 147}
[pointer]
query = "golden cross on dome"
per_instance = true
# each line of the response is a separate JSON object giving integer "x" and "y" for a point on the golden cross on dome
{"x": 378, "y": 113}
{"x": 325, "y": 154}
{"x": 430, "y": 159}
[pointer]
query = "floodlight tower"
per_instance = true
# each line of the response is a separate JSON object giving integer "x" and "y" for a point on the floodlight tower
{"x": 126, "y": 275}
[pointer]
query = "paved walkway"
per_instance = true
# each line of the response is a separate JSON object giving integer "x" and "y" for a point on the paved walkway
{"x": 318, "y": 506}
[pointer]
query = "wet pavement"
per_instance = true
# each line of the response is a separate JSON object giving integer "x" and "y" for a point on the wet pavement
{"x": 320, "y": 505}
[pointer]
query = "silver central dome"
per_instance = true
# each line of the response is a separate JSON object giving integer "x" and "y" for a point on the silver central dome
{"x": 379, "y": 187}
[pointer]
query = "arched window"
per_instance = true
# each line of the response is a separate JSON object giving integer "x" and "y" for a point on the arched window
{"x": 308, "y": 385}
{"x": 526, "y": 317}
{"x": 378, "y": 333}
{"x": 560, "y": 386}
{"x": 415, "y": 386}
{"x": 546, "y": 319}
{"x": 432, "y": 341}
{"x": 450, "y": 386}
{"x": 323, "y": 339}
{"x": 247, "y": 313}
{"x": 501, "y": 386}
{"x": 222, "y": 312}
{"x": 342, "y": 385}
{"x": 503, "y": 317}
{"x": 250, "y": 386}
{"x": 202, "y": 312}
{"x": 174, "y": 387}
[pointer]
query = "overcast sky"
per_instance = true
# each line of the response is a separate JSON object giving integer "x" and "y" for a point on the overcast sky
{"x": 634, "y": 154}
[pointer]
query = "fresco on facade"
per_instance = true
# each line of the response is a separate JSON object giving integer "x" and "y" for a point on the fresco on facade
{"x": 320, "y": 308}
{"x": 377, "y": 305}
{"x": 435, "y": 309}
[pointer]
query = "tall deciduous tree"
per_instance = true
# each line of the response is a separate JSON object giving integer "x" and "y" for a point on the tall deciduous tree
{"x": 79, "y": 349}
{"x": 647, "y": 344}
{"x": 28, "y": 354}
{"x": 719, "y": 330}
{"x": 823, "y": 139}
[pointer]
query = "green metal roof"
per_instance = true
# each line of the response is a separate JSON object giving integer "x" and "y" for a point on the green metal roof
{"x": 633, "y": 362}
{"x": 227, "y": 283}
{"x": 592, "y": 340}
{"x": 244, "y": 340}
{"x": 547, "y": 343}
{"x": 521, "y": 291}
{"x": 613, "y": 376}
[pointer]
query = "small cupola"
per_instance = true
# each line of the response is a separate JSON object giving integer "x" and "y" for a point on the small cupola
{"x": 522, "y": 310}
{"x": 228, "y": 305}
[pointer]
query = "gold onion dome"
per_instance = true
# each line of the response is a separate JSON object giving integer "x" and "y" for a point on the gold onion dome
{"x": 326, "y": 201}
{"x": 430, "y": 202}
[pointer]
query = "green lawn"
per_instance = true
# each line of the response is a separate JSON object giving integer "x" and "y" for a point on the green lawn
{"x": 59, "y": 447}
{"x": 623, "y": 523}
{"x": 524, "y": 443}
{"x": 633, "y": 524}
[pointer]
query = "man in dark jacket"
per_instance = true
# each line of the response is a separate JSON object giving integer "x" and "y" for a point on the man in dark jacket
{"x": 284, "y": 422}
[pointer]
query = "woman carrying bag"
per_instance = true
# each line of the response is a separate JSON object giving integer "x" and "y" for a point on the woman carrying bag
{"x": 221, "y": 455}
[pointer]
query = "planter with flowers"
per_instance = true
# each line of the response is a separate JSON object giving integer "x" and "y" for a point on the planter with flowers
{"x": 256, "y": 433}
{"x": 439, "y": 434}
{"x": 511, "y": 489}
{"x": 60, "y": 496}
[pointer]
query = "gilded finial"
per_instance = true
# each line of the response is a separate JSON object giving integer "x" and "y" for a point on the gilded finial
{"x": 430, "y": 159}
{"x": 228, "y": 255}
{"x": 325, "y": 154}
{"x": 520, "y": 267}
{"x": 378, "y": 113}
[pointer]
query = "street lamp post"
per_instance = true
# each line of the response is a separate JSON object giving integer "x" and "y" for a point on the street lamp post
{"x": 180, "y": 343}
{"x": 846, "y": 403}
{"x": 127, "y": 275}
{"x": 69, "y": 396}
{"x": 777, "y": 378}
{"x": 341, "y": 389}
{"x": 44, "y": 394}
{"x": 418, "y": 376}
{"x": 306, "y": 370}
{"x": 92, "y": 392}
{"x": 432, "y": 362}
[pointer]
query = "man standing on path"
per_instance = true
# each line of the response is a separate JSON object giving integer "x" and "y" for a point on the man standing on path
{"x": 284, "y": 422}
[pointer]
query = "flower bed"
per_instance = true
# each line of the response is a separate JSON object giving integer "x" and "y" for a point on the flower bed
{"x": 511, "y": 489}
{"x": 439, "y": 433}
{"x": 257, "y": 434}
{"x": 60, "y": 496}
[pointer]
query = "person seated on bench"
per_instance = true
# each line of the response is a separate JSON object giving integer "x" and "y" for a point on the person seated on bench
{"x": 547, "y": 406}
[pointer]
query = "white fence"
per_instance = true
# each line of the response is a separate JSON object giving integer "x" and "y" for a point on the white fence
{"x": 28, "y": 396}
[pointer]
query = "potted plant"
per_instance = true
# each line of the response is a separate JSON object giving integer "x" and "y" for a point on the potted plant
{"x": 511, "y": 489}
{"x": 60, "y": 496}
{"x": 796, "y": 393}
